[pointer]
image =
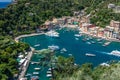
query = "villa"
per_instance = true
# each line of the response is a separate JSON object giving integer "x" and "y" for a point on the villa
{"x": 114, "y": 7}
{"x": 100, "y": 32}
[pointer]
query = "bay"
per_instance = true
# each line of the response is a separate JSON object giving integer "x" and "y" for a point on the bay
{"x": 77, "y": 47}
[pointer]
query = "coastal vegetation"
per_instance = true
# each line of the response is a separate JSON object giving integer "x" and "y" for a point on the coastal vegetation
{"x": 26, "y": 16}
{"x": 9, "y": 50}
{"x": 66, "y": 70}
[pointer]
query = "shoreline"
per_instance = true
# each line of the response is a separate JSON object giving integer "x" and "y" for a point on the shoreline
{"x": 35, "y": 34}
{"x": 24, "y": 69}
{"x": 27, "y": 35}
{"x": 29, "y": 56}
{"x": 113, "y": 40}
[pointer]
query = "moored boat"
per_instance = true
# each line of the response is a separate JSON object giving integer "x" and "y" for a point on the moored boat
{"x": 35, "y": 72}
{"x": 36, "y": 45}
{"x": 34, "y": 78}
{"x": 88, "y": 42}
{"x": 63, "y": 50}
{"x": 77, "y": 35}
{"x": 49, "y": 75}
{"x": 53, "y": 47}
{"x": 37, "y": 68}
{"x": 52, "y": 34}
{"x": 106, "y": 44}
{"x": 104, "y": 64}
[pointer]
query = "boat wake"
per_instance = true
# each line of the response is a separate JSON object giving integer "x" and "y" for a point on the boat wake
{"x": 102, "y": 52}
{"x": 114, "y": 52}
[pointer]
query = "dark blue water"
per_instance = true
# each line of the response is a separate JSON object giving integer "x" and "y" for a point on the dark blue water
{"x": 78, "y": 48}
{"x": 4, "y": 4}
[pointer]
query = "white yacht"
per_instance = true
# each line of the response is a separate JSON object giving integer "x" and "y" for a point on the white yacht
{"x": 35, "y": 72}
{"x": 104, "y": 64}
{"x": 36, "y": 45}
{"x": 89, "y": 54}
{"x": 106, "y": 44}
{"x": 49, "y": 75}
{"x": 77, "y": 35}
{"x": 52, "y": 34}
{"x": 37, "y": 68}
{"x": 115, "y": 52}
{"x": 63, "y": 50}
{"x": 53, "y": 47}
{"x": 76, "y": 38}
{"x": 88, "y": 42}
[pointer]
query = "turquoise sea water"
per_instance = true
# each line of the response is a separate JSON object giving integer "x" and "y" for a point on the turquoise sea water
{"x": 78, "y": 48}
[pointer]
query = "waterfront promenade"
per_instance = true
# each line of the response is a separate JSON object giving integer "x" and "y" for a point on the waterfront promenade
{"x": 24, "y": 68}
{"x": 29, "y": 56}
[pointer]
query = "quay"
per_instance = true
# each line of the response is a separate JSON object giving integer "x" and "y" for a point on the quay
{"x": 24, "y": 68}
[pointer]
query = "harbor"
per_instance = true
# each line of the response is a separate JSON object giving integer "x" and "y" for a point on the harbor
{"x": 86, "y": 49}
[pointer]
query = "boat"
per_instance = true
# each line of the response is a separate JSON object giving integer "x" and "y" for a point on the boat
{"x": 34, "y": 78}
{"x": 83, "y": 39}
{"x": 106, "y": 44}
{"x": 77, "y": 38}
{"x": 87, "y": 39}
{"x": 89, "y": 54}
{"x": 63, "y": 50}
{"x": 49, "y": 69}
{"x": 88, "y": 42}
{"x": 49, "y": 75}
{"x": 115, "y": 52}
{"x": 35, "y": 72}
{"x": 99, "y": 39}
{"x": 52, "y": 33}
{"x": 92, "y": 42}
{"x": 49, "y": 72}
{"x": 77, "y": 35}
{"x": 37, "y": 68}
{"x": 28, "y": 74}
{"x": 53, "y": 47}
{"x": 23, "y": 79}
{"x": 36, "y": 45}
{"x": 70, "y": 54}
{"x": 104, "y": 64}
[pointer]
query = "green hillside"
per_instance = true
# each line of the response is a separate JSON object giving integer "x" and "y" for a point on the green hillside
{"x": 26, "y": 16}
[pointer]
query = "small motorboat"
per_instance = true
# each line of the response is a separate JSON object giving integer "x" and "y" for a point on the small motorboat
{"x": 53, "y": 47}
{"x": 34, "y": 78}
{"x": 106, "y": 44}
{"x": 28, "y": 74}
{"x": 49, "y": 75}
{"x": 88, "y": 42}
{"x": 35, "y": 72}
{"x": 89, "y": 54}
{"x": 77, "y": 38}
{"x": 63, "y": 50}
{"x": 36, "y": 45}
{"x": 104, "y": 64}
{"x": 77, "y": 35}
{"x": 37, "y": 68}
{"x": 49, "y": 72}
